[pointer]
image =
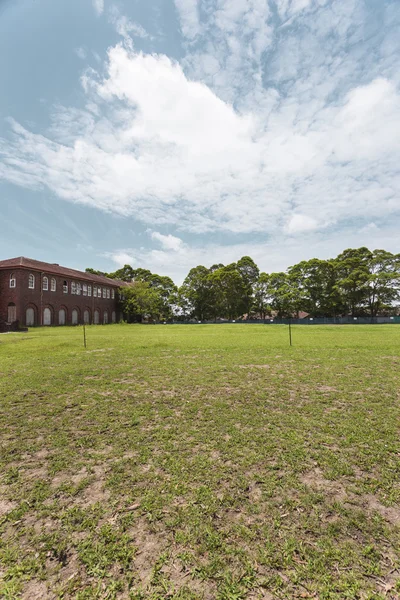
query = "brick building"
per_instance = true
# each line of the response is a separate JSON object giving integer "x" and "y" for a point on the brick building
{"x": 37, "y": 293}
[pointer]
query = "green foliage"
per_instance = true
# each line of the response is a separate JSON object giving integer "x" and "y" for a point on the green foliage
{"x": 357, "y": 282}
{"x": 141, "y": 301}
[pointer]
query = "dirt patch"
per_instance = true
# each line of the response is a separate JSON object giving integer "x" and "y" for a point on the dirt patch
{"x": 41, "y": 454}
{"x": 36, "y": 473}
{"x": 336, "y": 489}
{"x": 150, "y": 545}
{"x": 99, "y": 350}
{"x": 36, "y": 590}
{"x": 391, "y": 514}
{"x": 326, "y": 388}
{"x": 6, "y": 506}
{"x": 315, "y": 479}
{"x": 95, "y": 493}
{"x": 254, "y": 366}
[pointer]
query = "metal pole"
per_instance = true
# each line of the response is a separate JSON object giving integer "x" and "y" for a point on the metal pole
{"x": 84, "y": 335}
{"x": 290, "y": 331}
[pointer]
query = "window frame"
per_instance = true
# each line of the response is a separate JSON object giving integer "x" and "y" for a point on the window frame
{"x": 53, "y": 284}
{"x": 31, "y": 281}
{"x": 45, "y": 284}
{"x": 113, "y": 294}
{"x": 108, "y": 294}
{"x": 65, "y": 287}
{"x": 13, "y": 281}
{"x": 104, "y": 293}
{"x": 84, "y": 289}
{"x": 95, "y": 291}
{"x": 89, "y": 291}
{"x": 73, "y": 288}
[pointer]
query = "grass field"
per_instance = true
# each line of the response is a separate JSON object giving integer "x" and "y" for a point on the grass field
{"x": 200, "y": 462}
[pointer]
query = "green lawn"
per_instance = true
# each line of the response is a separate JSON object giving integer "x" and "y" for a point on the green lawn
{"x": 200, "y": 462}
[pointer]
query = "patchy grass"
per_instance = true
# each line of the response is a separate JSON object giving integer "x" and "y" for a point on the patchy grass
{"x": 200, "y": 462}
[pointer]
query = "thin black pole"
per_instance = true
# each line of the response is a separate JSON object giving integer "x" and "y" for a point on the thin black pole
{"x": 84, "y": 336}
{"x": 290, "y": 331}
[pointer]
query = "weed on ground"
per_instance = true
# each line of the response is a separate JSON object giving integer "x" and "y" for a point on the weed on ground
{"x": 200, "y": 462}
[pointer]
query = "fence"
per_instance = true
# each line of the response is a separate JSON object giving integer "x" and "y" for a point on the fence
{"x": 306, "y": 321}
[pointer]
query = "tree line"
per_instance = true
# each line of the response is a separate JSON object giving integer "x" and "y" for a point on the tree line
{"x": 358, "y": 282}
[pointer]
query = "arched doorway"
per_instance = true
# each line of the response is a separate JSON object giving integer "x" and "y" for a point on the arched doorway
{"x": 113, "y": 316}
{"x": 30, "y": 317}
{"x": 96, "y": 317}
{"x": 86, "y": 317}
{"x": 11, "y": 313}
{"x": 105, "y": 317}
{"x": 75, "y": 317}
{"x": 62, "y": 317}
{"x": 47, "y": 316}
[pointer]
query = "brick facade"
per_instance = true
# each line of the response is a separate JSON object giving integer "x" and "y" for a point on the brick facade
{"x": 39, "y": 306}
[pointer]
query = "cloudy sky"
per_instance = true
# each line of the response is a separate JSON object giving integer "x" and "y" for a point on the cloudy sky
{"x": 171, "y": 133}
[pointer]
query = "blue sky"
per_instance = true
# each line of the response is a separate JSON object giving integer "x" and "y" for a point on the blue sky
{"x": 171, "y": 133}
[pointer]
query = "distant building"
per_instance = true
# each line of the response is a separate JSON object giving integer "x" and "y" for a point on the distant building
{"x": 37, "y": 293}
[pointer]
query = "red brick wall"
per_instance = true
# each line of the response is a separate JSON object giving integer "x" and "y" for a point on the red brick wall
{"x": 39, "y": 299}
{"x": 7, "y": 295}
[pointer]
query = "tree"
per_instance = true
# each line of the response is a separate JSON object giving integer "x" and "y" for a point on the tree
{"x": 282, "y": 294}
{"x": 384, "y": 281}
{"x": 229, "y": 290}
{"x": 353, "y": 275}
{"x": 94, "y": 272}
{"x": 261, "y": 295}
{"x": 141, "y": 301}
{"x": 167, "y": 290}
{"x": 314, "y": 286}
{"x": 249, "y": 273}
{"x": 197, "y": 292}
{"x": 126, "y": 273}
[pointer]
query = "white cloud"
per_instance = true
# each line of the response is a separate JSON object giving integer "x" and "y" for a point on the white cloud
{"x": 98, "y": 6}
{"x": 301, "y": 223}
{"x": 261, "y": 128}
{"x": 125, "y": 26}
{"x": 122, "y": 258}
{"x": 274, "y": 255}
{"x": 168, "y": 242}
{"x": 370, "y": 228}
{"x": 81, "y": 53}
{"x": 189, "y": 17}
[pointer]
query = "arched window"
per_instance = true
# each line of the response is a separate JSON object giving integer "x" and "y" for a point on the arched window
{"x": 105, "y": 317}
{"x": 30, "y": 317}
{"x": 61, "y": 316}
{"x": 108, "y": 293}
{"x": 13, "y": 281}
{"x": 47, "y": 316}
{"x": 89, "y": 290}
{"x": 45, "y": 285}
{"x": 11, "y": 313}
{"x": 113, "y": 316}
{"x": 96, "y": 317}
{"x": 75, "y": 317}
{"x": 113, "y": 294}
{"x": 31, "y": 283}
{"x": 53, "y": 284}
{"x": 65, "y": 287}
{"x": 86, "y": 317}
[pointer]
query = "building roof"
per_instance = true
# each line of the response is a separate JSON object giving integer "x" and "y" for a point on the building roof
{"x": 55, "y": 269}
